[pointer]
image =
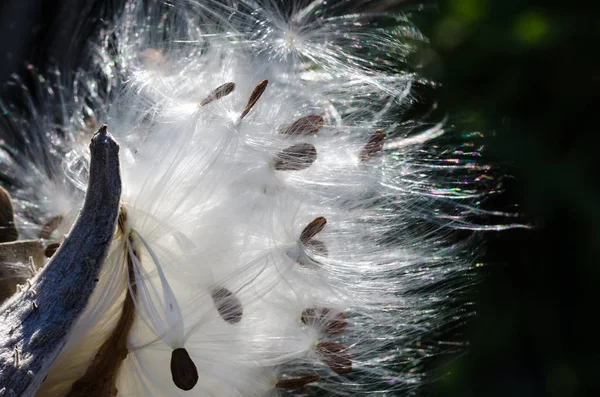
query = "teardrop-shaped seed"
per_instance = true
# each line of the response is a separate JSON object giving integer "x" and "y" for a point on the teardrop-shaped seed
{"x": 313, "y": 228}
{"x": 51, "y": 249}
{"x": 326, "y": 319}
{"x": 317, "y": 246}
{"x": 255, "y": 96}
{"x": 228, "y": 305}
{"x": 336, "y": 356}
{"x": 183, "y": 370}
{"x": 51, "y": 226}
{"x": 307, "y": 125}
{"x": 8, "y": 228}
{"x": 373, "y": 146}
{"x": 218, "y": 93}
{"x": 296, "y": 157}
{"x": 297, "y": 382}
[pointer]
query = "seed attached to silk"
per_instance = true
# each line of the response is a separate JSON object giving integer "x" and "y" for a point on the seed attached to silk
{"x": 297, "y": 382}
{"x": 296, "y": 157}
{"x": 254, "y": 97}
{"x": 183, "y": 369}
{"x": 218, "y": 93}
{"x": 373, "y": 146}
{"x": 307, "y": 125}
{"x": 228, "y": 305}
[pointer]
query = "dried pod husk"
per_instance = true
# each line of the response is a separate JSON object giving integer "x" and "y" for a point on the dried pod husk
{"x": 183, "y": 369}
{"x": 304, "y": 126}
{"x": 328, "y": 320}
{"x": 336, "y": 356}
{"x": 218, "y": 93}
{"x": 312, "y": 229}
{"x": 254, "y": 97}
{"x": 50, "y": 226}
{"x": 42, "y": 317}
{"x": 8, "y": 228}
{"x": 373, "y": 146}
{"x": 228, "y": 305}
{"x": 100, "y": 377}
{"x": 296, "y": 157}
{"x": 297, "y": 382}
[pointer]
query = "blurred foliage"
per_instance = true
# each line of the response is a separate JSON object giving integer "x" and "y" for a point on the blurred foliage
{"x": 524, "y": 74}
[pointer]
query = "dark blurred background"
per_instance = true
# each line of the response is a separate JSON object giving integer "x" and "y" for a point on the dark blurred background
{"x": 524, "y": 74}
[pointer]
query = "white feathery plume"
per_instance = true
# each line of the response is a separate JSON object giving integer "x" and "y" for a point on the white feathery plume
{"x": 278, "y": 224}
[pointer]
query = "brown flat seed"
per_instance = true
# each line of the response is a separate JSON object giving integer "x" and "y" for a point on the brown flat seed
{"x": 297, "y": 382}
{"x": 8, "y": 229}
{"x": 317, "y": 247}
{"x": 51, "y": 249}
{"x": 218, "y": 93}
{"x": 307, "y": 125}
{"x": 373, "y": 146}
{"x": 312, "y": 315}
{"x": 51, "y": 226}
{"x": 312, "y": 229}
{"x": 255, "y": 96}
{"x": 326, "y": 319}
{"x": 337, "y": 324}
{"x": 183, "y": 370}
{"x": 336, "y": 356}
{"x": 296, "y": 157}
{"x": 228, "y": 305}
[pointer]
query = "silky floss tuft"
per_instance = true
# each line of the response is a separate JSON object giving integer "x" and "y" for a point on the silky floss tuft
{"x": 280, "y": 229}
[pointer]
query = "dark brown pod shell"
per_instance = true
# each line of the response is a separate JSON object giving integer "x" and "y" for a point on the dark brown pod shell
{"x": 8, "y": 228}
{"x": 218, "y": 93}
{"x": 307, "y": 125}
{"x": 373, "y": 146}
{"x": 183, "y": 370}
{"x": 297, "y": 382}
{"x": 51, "y": 249}
{"x": 296, "y": 157}
{"x": 254, "y": 97}
{"x": 336, "y": 356}
{"x": 228, "y": 305}
{"x": 50, "y": 226}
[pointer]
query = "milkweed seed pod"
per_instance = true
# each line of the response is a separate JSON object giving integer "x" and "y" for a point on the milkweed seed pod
{"x": 280, "y": 228}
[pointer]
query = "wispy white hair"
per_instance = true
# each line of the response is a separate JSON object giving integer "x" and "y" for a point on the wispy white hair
{"x": 281, "y": 228}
